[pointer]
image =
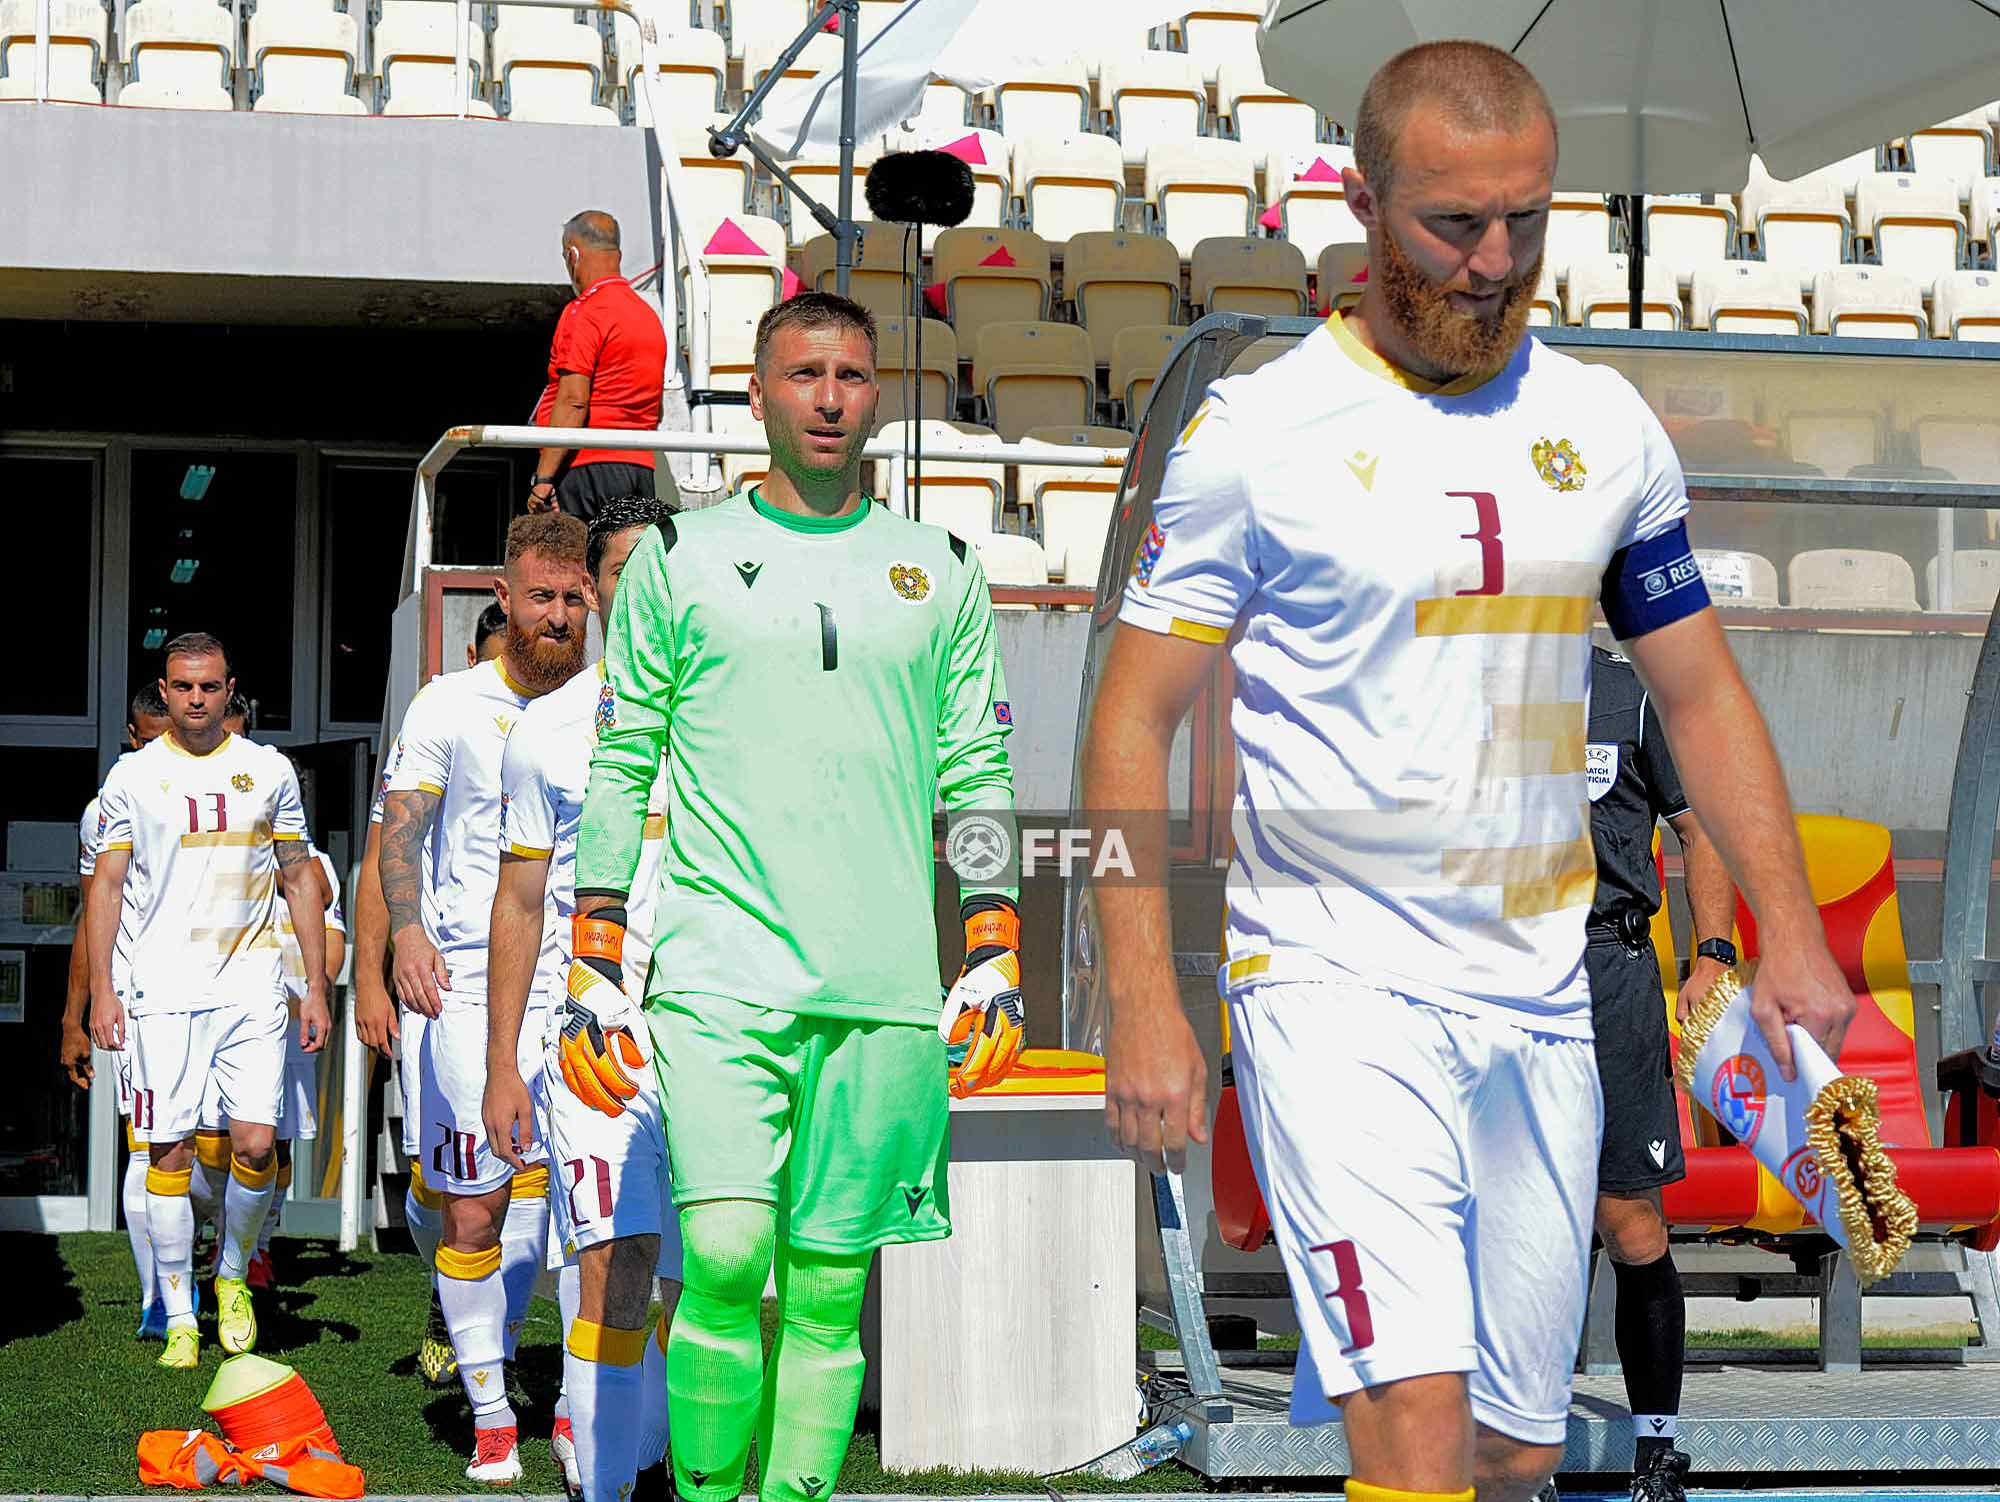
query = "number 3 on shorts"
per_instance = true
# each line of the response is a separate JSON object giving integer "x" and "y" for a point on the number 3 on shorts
{"x": 1353, "y": 1301}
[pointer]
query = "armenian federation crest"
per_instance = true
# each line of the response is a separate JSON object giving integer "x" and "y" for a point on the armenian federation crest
{"x": 606, "y": 714}
{"x": 909, "y": 581}
{"x": 1559, "y": 464}
{"x": 242, "y": 782}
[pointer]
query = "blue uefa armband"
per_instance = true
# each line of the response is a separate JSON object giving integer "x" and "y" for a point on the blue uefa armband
{"x": 1653, "y": 584}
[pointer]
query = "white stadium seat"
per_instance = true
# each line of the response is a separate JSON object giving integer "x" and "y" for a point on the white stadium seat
{"x": 820, "y": 176}
{"x": 1073, "y": 505}
{"x": 771, "y": 23}
{"x": 1685, "y": 233}
{"x": 1847, "y": 173}
{"x": 1547, "y": 308}
{"x": 1851, "y": 579}
{"x": 1966, "y": 305}
{"x": 76, "y": 50}
{"x": 738, "y": 470}
{"x": 1221, "y": 33}
{"x": 1307, "y": 191}
{"x": 1152, "y": 97}
{"x": 1199, "y": 189}
{"x": 413, "y": 52}
{"x": 1070, "y": 184}
{"x": 760, "y": 54}
{"x": 693, "y": 67}
{"x": 1738, "y": 578}
{"x": 1960, "y": 148}
{"x": 1975, "y": 580}
{"x": 745, "y": 258}
{"x": 1983, "y": 210}
{"x": 1049, "y": 101}
{"x": 1747, "y": 297}
{"x": 1261, "y": 117}
{"x": 1598, "y": 294}
{"x": 302, "y": 58}
{"x": 178, "y": 54}
{"x": 1866, "y": 302}
{"x": 713, "y": 188}
{"x": 964, "y": 499}
{"x": 1008, "y": 559}
{"x": 1914, "y": 221}
{"x": 1579, "y": 225}
{"x": 1802, "y": 225}
{"x": 945, "y": 107}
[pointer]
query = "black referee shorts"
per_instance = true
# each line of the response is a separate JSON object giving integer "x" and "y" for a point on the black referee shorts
{"x": 586, "y": 487}
{"x": 1642, "y": 1137}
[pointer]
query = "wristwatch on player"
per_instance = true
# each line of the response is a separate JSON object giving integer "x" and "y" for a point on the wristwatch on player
{"x": 536, "y": 482}
{"x": 1717, "y": 949}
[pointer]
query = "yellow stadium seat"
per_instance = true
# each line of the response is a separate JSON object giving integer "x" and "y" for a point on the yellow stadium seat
{"x": 1115, "y": 280}
{"x": 1237, "y": 275}
{"x": 896, "y": 359}
{"x": 1138, "y": 355}
{"x": 1034, "y": 374}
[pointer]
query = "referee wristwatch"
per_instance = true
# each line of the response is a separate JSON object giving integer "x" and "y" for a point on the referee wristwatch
{"x": 1720, "y": 950}
{"x": 536, "y": 482}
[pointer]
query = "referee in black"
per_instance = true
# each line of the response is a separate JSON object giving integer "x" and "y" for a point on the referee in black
{"x": 1633, "y": 784}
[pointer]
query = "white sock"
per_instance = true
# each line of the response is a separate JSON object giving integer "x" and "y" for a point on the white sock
{"x": 475, "y": 1310}
{"x": 246, "y": 1201}
{"x": 204, "y": 1193}
{"x": 273, "y": 1215}
{"x": 170, "y": 1223}
{"x": 653, "y": 1403}
{"x": 569, "y": 1295}
{"x": 426, "y": 1226}
{"x": 524, "y": 1247}
{"x": 605, "y": 1383}
{"x": 1656, "y": 1425}
{"x": 134, "y": 1195}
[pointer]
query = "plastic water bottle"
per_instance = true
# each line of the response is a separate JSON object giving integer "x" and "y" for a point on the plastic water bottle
{"x": 1157, "y": 1445}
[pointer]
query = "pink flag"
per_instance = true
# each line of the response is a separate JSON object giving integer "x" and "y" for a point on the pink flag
{"x": 1000, "y": 258}
{"x": 730, "y": 239}
{"x": 967, "y": 149}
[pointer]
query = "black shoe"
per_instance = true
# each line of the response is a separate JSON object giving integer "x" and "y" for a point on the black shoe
{"x": 1548, "y": 1491}
{"x": 1664, "y": 1478}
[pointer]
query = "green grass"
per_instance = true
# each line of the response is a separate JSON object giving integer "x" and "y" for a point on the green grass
{"x": 76, "y": 1390}
{"x": 1949, "y": 1337}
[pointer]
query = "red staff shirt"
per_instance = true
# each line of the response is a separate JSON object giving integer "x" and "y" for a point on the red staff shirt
{"x": 612, "y": 335}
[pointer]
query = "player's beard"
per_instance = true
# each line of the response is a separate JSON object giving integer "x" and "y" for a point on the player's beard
{"x": 1455, "y": 343}
{"x": 543, "y": 662}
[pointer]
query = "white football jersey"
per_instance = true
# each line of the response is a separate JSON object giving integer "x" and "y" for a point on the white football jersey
{"x": 201, "y": 927}
{"x": 336, "y": 923}
{"x": 450, "y": 746}
{"x": 1411, "y": 573}
{"x": 89, "y": 838}
{"x": 544, "y": 776}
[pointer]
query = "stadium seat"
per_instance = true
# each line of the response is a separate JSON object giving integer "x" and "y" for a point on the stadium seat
{"x": 1801, "y": 225}
{"x": 1234, "y": 275}
{"x": 76, "y": 50}
{"x": 1975, "y": 580}
{"x": 1009, "y": 559}
{"x": 1686, "y": 233}
{"x": 820, "y": 177}
{"x": 1579, "y": 227}
{"x": 1070, "y": 184}
{"x": 178, "y": 55}
{"x": 1850, "y": 579}
{"x": 945, "y": 107}
{"x": 1114, "y": 280}
{"x": 1050, "y": 101}
{"x": 985, "y": 276}
{"x": 1960, "y": 148}
{"x": 1343, "y": 275}
{"x": 714, "y": 188}
{"x": 550, "y": 67}
{"x": 878, "y": 280}
{"x": 1598, "y": 293}
{"x": 1966, "y": 305}
{"x": 965, "y": 499}
{"x": 1960, "y": 443}
{"x": 1198, "y": 189}
{"x": 896, "y": 358}
{"x": 1150, "y": 98}
{"x": 1835, "y": 442}
{"x": 302, "y": 58}
{"x": 745, "y": 257}
{"x": 1867, "y": 302}
{"x": 1034, "y": 374}
{"x": 1310, "y": 200}
{"x": 1138, "y": 355}
{"x": 738, "y": 470}
{"x": 1547, "y": 309}
{"x": 1222, "y": 33}
{"x": 1072, "y": 505}
{"x": 771, "y": 23}
{"x": 1262, "y": 118}
{"x": 1747, "y": 297}
{"x": 414, "y": 53}
{"x": 1914, "y": 221}
{"x": 760, "y": 54}
{"x": 1738, "y": 578}
{"x": 694, "y": 69}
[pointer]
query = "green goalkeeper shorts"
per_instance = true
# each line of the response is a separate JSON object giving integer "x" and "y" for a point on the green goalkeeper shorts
{"x": 843, "y": 1125}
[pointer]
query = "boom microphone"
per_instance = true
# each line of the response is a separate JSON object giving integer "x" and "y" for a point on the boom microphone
{"x": 920, "y": 187}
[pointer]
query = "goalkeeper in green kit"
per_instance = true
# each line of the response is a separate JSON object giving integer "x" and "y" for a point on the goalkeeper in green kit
{"x": 819, "y": 673}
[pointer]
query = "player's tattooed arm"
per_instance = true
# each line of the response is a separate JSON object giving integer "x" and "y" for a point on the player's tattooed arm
{"x": 302, "y": 882}
{"x": 419, "y": 971}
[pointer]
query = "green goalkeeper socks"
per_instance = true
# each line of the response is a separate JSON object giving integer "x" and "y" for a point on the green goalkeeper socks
{"x": 715, "y": 1352}
{"x": 814, "y": 1381}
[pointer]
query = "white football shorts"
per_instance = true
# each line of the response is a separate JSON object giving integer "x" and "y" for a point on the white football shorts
{"x": 1431, "y": 1178}
{"x": 410, "y": 1028}
{"x": 607, "y": 1174}
{"x": 456, "y": 1156}
{"x": 298, "y": 1110}
{"x": 194, "y": 1069}
{"x": 120, "y": 1064}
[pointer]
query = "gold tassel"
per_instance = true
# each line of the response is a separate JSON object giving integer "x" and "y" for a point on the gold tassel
{"x": 1702, "y": 1018}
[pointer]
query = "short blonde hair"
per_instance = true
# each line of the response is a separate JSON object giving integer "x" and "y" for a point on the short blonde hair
{"x": 1472, "y": 86}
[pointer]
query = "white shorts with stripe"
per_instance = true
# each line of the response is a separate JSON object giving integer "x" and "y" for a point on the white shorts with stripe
{"x": 410, "y": 1028}
{"x": 453, "y": 1149}
{"x": 193, "y": 1069}
{"x": 298, "y": 1110}
{"x": 1431, "y": 1178}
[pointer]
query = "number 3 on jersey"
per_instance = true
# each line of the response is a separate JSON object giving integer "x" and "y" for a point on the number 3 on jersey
{"x": 1492, "y": 560}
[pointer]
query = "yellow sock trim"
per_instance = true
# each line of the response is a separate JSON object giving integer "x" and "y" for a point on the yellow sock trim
{"x": 251, "y": 1178}
{"x": 284, "y": 1177}
{"x": 467, "y": 1267}
{"x": 1365, "y": 1491}
{"x": 131, "y": 1138}
{"x": 167, "y": 1180}
{"x": 607, "y": 1344}
{"x": 530, "y": 1183}
{"x": 213, "y": 1149}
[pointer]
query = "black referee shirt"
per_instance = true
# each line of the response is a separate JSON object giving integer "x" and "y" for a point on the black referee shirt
{"x": 1633, "y": 784}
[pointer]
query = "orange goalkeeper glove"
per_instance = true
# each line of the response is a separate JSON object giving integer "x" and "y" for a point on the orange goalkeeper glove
{"x": 599, "y": 1058}
{"x": 984, "y": 1021}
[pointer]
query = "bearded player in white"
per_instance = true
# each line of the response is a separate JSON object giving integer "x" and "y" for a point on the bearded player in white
{"x": 1400, "y": 531}
{"x": 439, "y": 863}
{"x": 211, "y": 829}
{"x": 610, "y": 1192}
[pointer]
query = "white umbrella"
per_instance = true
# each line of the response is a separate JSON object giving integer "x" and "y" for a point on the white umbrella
{"x": 1673, "y": 96}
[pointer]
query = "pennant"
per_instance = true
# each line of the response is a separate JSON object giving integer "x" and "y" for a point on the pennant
{"x": 966, "y": 149}
{"x": 730, "y": 239}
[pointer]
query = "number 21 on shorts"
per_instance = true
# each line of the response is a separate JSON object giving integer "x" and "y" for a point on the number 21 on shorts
{"x": 1353, "y": 1300}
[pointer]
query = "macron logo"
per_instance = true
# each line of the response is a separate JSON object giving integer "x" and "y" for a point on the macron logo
{"x": 1658, "y": 1148}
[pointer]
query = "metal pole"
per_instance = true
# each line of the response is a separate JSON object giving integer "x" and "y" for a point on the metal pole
{"x": 850, "y": 42}
{"x": 462, "y": 78}
{"x": 1635, "y": 260}
{"x": 42, "y": 24}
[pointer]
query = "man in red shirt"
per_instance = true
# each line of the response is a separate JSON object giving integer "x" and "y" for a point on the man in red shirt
{"x": 607, "y": 364}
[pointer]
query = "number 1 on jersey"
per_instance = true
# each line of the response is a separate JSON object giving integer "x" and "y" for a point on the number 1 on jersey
{"x": 1492, "y": 560}
{"x": 829, "y": 640}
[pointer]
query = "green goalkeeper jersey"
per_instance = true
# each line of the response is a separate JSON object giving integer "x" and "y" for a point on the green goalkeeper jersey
{"x": 817, "y": 686}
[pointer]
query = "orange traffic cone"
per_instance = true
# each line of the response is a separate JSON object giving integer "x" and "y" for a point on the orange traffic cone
{"x": 260, "y": 1403}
